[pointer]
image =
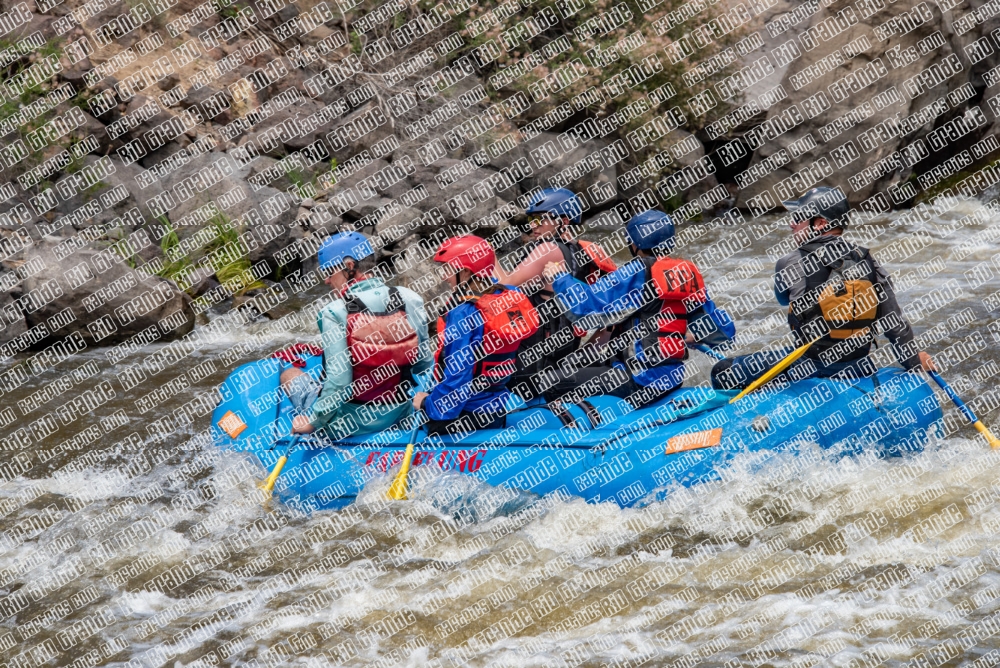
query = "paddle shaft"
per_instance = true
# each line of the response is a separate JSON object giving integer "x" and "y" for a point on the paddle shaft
{"x": 268, "y": 485}
{"x": 966, "y": 411}
{"x": 273, "y": 477}
{"x": 397, "y": 491}
{"x": 775, "y": 370}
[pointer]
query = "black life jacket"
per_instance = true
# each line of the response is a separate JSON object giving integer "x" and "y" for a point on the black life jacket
{"x": 585, "y": 260}
{"x": 841, "y": 297}
{"x": 555, "y": 328}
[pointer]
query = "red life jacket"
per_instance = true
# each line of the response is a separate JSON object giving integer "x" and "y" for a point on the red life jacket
{"x": 382, "y": 345}
{"x": 508, "y": 319}
{"x": 679, "y": 288}
{"x": 600, "y": 263}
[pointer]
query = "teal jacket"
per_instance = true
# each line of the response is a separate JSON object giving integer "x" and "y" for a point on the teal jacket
{"x": 332, "y": 404}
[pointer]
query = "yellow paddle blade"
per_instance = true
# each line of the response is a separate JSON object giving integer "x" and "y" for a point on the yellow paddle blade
{"x": 982, "y": 429}
{"x": 775, "y": 370}
{"x": 268, "y": 485}
{"x": 397, "y": 491}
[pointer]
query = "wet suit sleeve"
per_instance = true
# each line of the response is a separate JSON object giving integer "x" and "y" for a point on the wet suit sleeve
{"x": 899, "y": 332}
{"x": 608, "y": 301}
{"x": 448, "y": 397}
{"x": 332, "y": 321}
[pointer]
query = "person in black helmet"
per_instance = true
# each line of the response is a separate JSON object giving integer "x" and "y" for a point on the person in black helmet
{"x": 835, "y": 291}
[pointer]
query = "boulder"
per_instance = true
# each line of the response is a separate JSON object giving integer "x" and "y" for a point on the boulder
{"x": 354, "y": 144}
{"x": 351, "y": 181}
{"x": 414, "y": 269}
{"x": 556, "y": 161}
{"x": 289, "y": 117}
{"x": 768, "y": 45}
{"x": 11, "y": 316}
{"x": 160, "y": 117}
{"x": 463, "y": 201}
{"x": 123, "y": 178}
{"x": 234, "y": 196}
{"x": 96, "y": 128}
{"x": 130, "y": 177}
{"x": 859, "y": 161}
{"x": 94, "y": 293}
{"x": 683, "y": 147}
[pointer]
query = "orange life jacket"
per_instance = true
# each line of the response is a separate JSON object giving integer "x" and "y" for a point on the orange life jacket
{"x": 508, "y": 319}
{"x": 605, "y": 265}
{"x": 382, "y": 346}
{"x": 679, "y": 288}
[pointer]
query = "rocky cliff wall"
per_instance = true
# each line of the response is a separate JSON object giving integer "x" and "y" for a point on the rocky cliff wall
{"x": 206, "y": 149}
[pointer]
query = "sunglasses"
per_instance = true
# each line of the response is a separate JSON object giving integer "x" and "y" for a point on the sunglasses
{"x": 538, "y": 222}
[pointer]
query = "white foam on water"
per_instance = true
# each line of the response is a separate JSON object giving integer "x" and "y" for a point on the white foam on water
{"x": 146, "y": 603}
{"x": 572, "y": 524}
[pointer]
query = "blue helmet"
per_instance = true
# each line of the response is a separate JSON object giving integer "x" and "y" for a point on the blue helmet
{"x": 338, "y": 247}
{"x": 557, "y": 201}
{"x": 651, "y": 229}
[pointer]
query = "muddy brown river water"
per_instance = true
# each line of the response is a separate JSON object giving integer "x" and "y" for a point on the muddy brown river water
{"x": 122, "y": 549}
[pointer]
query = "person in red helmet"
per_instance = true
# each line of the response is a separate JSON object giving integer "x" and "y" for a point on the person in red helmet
{"x": 478, "y": 339}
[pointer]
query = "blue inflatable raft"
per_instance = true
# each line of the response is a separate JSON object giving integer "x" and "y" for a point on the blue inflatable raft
{"x": 611, "y": 453}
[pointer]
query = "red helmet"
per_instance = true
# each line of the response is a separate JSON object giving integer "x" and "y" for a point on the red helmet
{"x": 468, "y": 252}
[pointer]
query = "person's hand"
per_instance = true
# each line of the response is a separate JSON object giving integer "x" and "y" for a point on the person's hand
{"x": 302, "y": 425}
{"x": 552, "y": 270}
{"x": 689, "y": 338}
{"x": 926, "y": 361}
{"x": 418, "y": 400}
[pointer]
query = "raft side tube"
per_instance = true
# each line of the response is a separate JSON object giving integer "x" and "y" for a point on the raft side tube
{"x": 683, "y": 439}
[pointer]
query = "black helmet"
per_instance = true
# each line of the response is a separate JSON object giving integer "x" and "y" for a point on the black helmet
{"x": 821, "y": 202}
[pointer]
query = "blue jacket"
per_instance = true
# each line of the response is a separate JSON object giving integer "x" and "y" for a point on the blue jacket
{"x": 463, "y": 334}
{"x": 617, "y": 297}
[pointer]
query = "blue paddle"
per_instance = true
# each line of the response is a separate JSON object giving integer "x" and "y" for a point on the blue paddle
{"x": 969, "y": 415}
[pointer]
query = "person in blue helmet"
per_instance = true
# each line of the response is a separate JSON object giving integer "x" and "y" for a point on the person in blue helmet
{"x": 656, "y": 305}
{"x": 374, "y": 345}
{"x": 552, "y": 213}
{"x": 837, "y": 296}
